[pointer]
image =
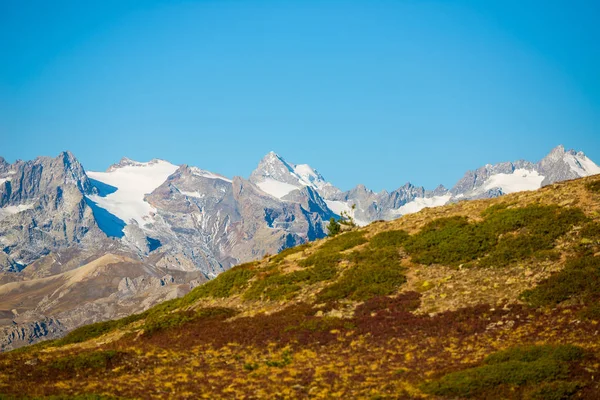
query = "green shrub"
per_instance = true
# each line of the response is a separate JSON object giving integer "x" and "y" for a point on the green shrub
{"x": 225, "y": 284}
{"x": 593, "y": 186}
{"x": 553, "y": 391}
{"x": 580, "y": 278}
{"x": 535, "y": 352}
{"x": 278, "y": 286}
{"x": 97, "y": 329}
{"x": 516, "y": 367}
{"x": 160, "y": 322}
{"x": 86, "y": 360}
{"x": 590, "y": 231}
{"x": 286, "y": 359}
{"x": 318, "y": 267}
{"x": 592, "y": 312}
{"x": 375, "y": 273}
{"x": 506, "y": 235}
{"x": 474, "y": 381}
{"x": 334, "y": 227}
{"x": 449, "y": 241}
{"x": 389, "y": 239}
{"x": 332, "y": 247}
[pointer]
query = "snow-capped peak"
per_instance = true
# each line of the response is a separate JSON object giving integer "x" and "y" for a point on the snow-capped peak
{"x": 132, "y": 181}
{"x": 277, "y": 177}
{"x": 580, "y": 164}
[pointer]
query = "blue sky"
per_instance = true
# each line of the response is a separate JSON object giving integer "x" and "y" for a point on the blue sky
{"x": 373, "y": 92}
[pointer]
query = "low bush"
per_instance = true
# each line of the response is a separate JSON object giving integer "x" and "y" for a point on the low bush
{"x": 535, "y": 352}
{"x": 278, "y": 286}
{"x": 389, "y": 239}
{"x": 449, "y": 241}
{"x": 160, "y": 322}
{"x": 86, "y": 360}
{"x": 331, "y": 248}
{"x": 593, "y": 187}
{"x": 225, "y": 284}
{"x": 554, "y": 391}
{"x": 375, "y": 273}
{"x": 318, "y": 267}
{"x": 517, "y": 367}
{"x": 97, "y": 329}
{"x": 506, "y": 235}
{"x": 579, "y": 279}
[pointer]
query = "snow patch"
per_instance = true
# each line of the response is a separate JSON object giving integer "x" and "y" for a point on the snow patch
{"x": 308, "y": 176}
{"x": 12, "y": 210}
{"x": 192, "y": 194}
{"x": 133, "y": 182}
{"x": 339, "y": 206}
{"x": 581, "y": 165}
{"x": 420, "y": 203}
{"x": 207, "y": 174}
{"x": 520, "y": 180}
{"x": 276, "y": 188}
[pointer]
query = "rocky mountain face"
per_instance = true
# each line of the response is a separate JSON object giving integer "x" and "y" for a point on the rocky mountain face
{"x": 43, "y": 209}
{"x": 215, "y": 222}
{"x": 170, "y": 227}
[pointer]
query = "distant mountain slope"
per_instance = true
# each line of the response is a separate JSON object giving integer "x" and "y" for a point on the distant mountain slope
{"x": 492, "y": 299}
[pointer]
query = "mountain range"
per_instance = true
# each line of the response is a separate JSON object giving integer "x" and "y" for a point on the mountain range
{"x": 80, "y": 246}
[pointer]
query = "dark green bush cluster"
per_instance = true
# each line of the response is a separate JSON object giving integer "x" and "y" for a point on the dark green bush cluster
{"x": 97, "y": 329}
{"x": 163, "y": 321}
{"x": 225, "y": 284}
{"x": 593, "y": 186}
{"x": 538, "y": 226}
{"x": 278, "y": 286}
{"x": 319, "y": 266}
{"x": 531, "y": 353}
{"x": 580, "y": 278}
{"x": 376, "y": 272}
{"x": 505, "y": 235}
{"x": 77, "y": 362}
{"x": 559, "y": 390}
{"x": 169, "y": 320}
{"x": 389, "y": 239}
{"x": 517, "y": 367}
{"x": 591, "y": 231}
{"x": 450, "y": 240}
{"x": 286, "y": 359}
{"x": 332, "y": 248}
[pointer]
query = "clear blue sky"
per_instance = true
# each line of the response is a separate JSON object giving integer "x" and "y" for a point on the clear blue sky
{"x": 373, "y": 92}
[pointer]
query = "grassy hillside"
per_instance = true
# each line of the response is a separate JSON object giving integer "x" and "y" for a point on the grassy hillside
{"x": 486, "y": 299}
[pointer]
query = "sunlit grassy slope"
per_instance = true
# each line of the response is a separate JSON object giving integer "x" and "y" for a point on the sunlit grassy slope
{"x": 486, "y": 299}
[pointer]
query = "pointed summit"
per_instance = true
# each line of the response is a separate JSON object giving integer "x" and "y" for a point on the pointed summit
{"x": 560, "y": 165}
{"x": 277, "y": 177}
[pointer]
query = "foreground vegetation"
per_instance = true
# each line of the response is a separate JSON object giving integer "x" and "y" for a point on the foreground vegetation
{"x": 515, "y": 283}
